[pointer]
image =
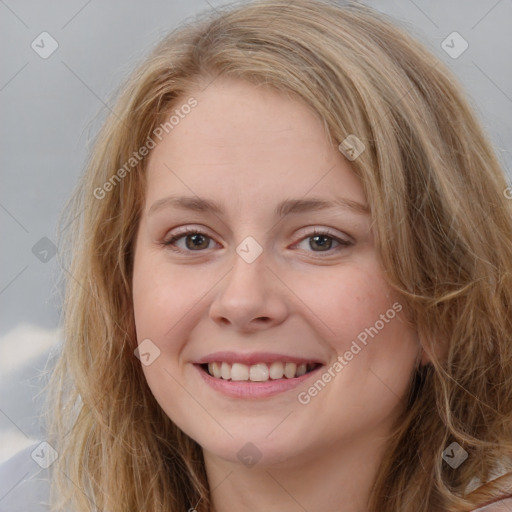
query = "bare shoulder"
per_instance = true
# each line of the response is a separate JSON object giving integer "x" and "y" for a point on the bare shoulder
{"x": 504, "y": 505}
{"x": 502, "y": 479}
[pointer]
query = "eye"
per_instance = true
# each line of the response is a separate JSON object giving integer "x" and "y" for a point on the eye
{"x": 322, "y": 241}
{"x": 195, "y": 240}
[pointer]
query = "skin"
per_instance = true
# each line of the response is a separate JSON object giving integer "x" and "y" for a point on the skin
{"x": 249, "y": 148}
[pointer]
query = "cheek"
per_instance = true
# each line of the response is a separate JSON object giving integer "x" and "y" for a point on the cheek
{"x": 363, "y": 322}
{"x": 163, "y": 305}
{"x": 150, "y": 301}
{"x": 163, "y": 296}
{"x": 345, "y": 301}
{"x": 375, "y": 352}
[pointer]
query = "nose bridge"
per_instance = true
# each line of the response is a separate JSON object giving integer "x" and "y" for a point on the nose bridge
{"x": 246, "y": 282}
{"x": 248, "y": 293}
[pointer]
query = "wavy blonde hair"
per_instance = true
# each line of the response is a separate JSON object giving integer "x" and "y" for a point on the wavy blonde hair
{"x": 443, "y": 227}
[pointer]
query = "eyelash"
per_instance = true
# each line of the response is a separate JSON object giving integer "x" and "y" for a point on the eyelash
{"x": 316, "y": 232}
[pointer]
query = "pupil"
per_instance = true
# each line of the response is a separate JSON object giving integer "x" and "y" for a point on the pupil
{"x": 196, "y": 241}
{"x": 327, "y": 241}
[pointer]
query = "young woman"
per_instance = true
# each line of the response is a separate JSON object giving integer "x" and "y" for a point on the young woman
{"x": 291, "y": 280}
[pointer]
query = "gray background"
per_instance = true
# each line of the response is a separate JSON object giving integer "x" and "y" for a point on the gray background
{"x": 51, "y": 108}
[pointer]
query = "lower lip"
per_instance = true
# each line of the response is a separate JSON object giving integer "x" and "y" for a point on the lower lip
{"x": 249, "y": 389}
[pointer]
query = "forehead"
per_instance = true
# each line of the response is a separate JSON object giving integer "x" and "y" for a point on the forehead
{"x": 244, "y": 140}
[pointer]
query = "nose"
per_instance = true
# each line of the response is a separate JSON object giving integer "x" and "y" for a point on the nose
{"x": 250, "y": 297}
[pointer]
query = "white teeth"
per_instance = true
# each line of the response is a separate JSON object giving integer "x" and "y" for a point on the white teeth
{"x": 239, "y": 371}
{"x": 301, "y": 370}
{"x": 276, "y": 370}
{"x": 260, "y": 372}
{"x": 225, "y": 371}
{"x": 289, "y": 370}
{"x": 215, "y": 370}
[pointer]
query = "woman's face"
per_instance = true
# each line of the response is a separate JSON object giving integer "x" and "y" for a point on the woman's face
{"x": 279, "y": 273}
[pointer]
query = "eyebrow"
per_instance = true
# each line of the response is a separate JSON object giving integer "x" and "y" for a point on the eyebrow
{"x": 198, "y": 204}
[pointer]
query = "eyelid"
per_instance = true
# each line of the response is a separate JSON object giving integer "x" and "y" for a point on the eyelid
{"x": 189, "y": 228}
{"x": 313, "y": 231}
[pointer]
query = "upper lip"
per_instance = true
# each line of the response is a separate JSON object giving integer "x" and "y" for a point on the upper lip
{"x": 254, "y": 358}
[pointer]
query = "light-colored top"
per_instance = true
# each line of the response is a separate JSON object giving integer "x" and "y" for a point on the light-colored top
{"x": 499, "y": 506}
{"x": 24, "y": 482}
{"x": 25, "y": 485}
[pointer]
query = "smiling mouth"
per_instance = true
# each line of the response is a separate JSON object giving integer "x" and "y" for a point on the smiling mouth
{"x": 260, "y": 372}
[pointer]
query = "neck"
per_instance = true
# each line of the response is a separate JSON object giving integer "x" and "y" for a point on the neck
{"x": 338, "y": 478}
